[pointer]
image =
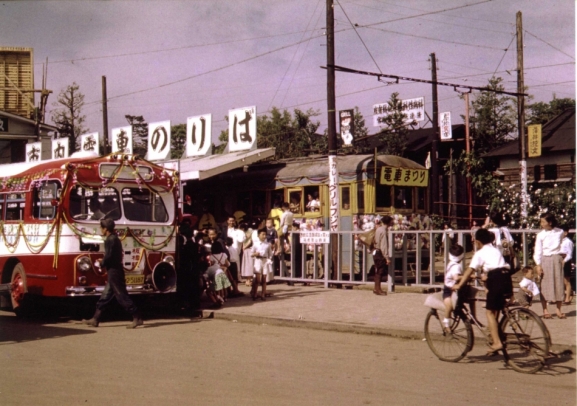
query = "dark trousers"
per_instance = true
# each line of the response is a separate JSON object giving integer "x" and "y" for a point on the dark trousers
{"x": 380, "y": 263}
{"x": 116, "y": 288}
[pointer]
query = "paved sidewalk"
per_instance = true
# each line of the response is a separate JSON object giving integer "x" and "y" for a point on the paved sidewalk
{"x": 359, "y": 310}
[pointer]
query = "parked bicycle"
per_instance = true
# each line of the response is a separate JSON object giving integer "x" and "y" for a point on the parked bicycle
{"x": 526, "y": 339}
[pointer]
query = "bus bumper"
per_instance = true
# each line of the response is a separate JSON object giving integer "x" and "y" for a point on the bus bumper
{"x": 146, "y": 288}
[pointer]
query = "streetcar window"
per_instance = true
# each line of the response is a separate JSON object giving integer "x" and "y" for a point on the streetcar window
{"x": 15, "y": 203}
{"x": 421, "y": 198}
{"x": 43, "y": 197}
{"x": 346, "y": 198}
{"x": 312, "y": 200}
{"x": 361, "y": 196}
{"x": 403, "y": 197}
{"x": 295, "y": 203}
{"x": 383, "y": 193}
{"x": 94, "y": 205}
{"x": 143, "y": 205}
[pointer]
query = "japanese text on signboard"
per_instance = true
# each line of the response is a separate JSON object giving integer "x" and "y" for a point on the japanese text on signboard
{"x": 404, "y": 176}
{"x": 413, "y": 108}
{"x": 315, "y": 237}
{"x": 534, "y": 144}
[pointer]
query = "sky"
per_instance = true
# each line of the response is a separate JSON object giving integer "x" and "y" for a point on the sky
{"x": 173, "y": 59}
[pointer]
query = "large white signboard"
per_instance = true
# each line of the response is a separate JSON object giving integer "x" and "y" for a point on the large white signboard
{"x": 90, "y": 143}
{"x": 198, "y": 135}
{"x": 158, "y": 140}
{"x": 413, "y": 108}
{"x": 60, "y": 148}
{"x": 122, "y": 140}
{"x": 241, "y": 129}
{"x": 34, "y": 152}
{"x": 445, "y": 126}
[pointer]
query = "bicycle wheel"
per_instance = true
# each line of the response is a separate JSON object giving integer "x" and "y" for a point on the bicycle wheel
{"x": 526, "y": 340}
{"x": 453, "y": 346}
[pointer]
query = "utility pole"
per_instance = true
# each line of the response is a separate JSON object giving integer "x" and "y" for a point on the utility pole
{"x": 521, "y": 117}
{"x": 332, "y": 134}
{"x": 435, "y": 170}
{"x": 107, "y": 149}
{"x": 468, "y": 150}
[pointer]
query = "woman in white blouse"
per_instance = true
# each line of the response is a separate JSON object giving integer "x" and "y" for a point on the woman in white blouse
{"x": 549, "y": 264}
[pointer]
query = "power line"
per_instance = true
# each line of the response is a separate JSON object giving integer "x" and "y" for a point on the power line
{"x": 504, "y": 53}
{"x": 354, "y": 26}
{"x": 552, "y": 46}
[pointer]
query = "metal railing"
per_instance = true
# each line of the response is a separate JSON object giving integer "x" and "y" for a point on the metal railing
{"x": 313, "y": 263}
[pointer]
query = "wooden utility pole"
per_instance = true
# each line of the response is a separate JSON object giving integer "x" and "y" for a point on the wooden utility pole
{"x": 468, "y": 150}
{"x": 332, "y": 134}
{"x": 434, "y": 168}
{"x": 521, "y": 117}
{"x": 107, "y": 146}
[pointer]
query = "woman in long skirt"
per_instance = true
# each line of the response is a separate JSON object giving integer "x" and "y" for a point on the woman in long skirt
{"x": 549, "y": 264}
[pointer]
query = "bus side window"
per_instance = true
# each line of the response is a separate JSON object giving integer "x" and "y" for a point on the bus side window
{"x": 43, "y": 196}
{"x": 15, "y": 204}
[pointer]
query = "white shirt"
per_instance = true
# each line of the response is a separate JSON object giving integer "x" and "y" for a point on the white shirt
{"x": 488, "y": 258}
{"x": 454, "y": 270}
{"x": 567, "y": 249}
{"x": 529, "y": 285}
{"x": 548, "y": 243}
{"x": 286, "y": 220}
{"x": 233, "y": 252}
{"x": 237, "y": 236}
{"x": 497, "y": 231}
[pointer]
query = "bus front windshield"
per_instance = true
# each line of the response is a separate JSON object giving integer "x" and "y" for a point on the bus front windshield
{"x": 94, "y": 205}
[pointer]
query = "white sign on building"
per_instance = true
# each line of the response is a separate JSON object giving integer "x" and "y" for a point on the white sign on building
{"x": 241, "y": 129}
{"x": 413, "y": 108}
{"x": 90, "y": 143}
{"x": 122, "y": 140}
{"x": 34, "y": 152}
{"x": 445, "y": 126}
{"x": 198, "y": 135}
{"x": 158, "y": 140}
{"x": 60, "y": 148}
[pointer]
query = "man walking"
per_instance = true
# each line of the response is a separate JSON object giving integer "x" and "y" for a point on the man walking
{"x": 381, "y": 254}
{"x": 116, "y": 285}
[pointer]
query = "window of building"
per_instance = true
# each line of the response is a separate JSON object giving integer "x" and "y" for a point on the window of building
{"x": 550, "y": 172}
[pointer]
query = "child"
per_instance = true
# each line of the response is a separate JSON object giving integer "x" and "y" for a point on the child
{"x": 262, "y": 254}
{"x": 527, "y": 288}
{"x": 216, "y": 273}
{"x": 453, "y": 274}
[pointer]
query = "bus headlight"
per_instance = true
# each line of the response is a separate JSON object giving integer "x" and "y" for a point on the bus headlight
{"x": 169, "y": 259}
{"x": 84, "y": 264}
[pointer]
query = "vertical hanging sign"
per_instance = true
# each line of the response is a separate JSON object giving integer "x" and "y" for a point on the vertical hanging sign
{"x": 122, "y": 140}
{"x": 33, "y": 152}
{"x": 445, "y": 126}
{"x": 534, "y": 140}
{"x": 241, "y": 129}
{"x": 60, "y": 148}
{"x": 346, "y": 121}
{"x": 198, "y": 135}
{"x": 158, "y": 140}
{"x": 90, "y": 143}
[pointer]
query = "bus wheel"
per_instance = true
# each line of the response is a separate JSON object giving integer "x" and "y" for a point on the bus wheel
{"x": 19, "y": 289}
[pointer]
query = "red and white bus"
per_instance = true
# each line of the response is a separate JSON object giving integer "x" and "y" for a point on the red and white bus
{"x": 50, "y": 237}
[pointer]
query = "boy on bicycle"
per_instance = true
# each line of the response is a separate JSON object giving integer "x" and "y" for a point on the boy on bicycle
{"x": 497, "y": 280}
{"x": 453, "y": 274}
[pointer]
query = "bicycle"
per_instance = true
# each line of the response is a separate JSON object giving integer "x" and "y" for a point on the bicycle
{"x": 526, "y": 339}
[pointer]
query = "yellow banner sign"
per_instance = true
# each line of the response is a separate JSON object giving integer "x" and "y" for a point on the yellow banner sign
{"x": 534, "y": 140}
{"x": 404, "y": 176}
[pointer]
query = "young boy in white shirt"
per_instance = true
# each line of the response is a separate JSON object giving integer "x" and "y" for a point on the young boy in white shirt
{"x": 453, "y": 274}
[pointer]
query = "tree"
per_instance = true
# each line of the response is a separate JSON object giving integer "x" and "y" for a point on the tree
{"x": 139, "y": 134}
{"x": 541, "y": 113}
{"x": 394, "y": 136}
{"x": 292, "y": 136}
{"x": 178, "y": 140}
{"x": 68, "y": 117}
{"x": 361, "y": 131}
{"x": 494, "y": 118}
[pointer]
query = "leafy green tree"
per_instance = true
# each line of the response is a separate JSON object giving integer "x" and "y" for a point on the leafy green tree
{"x": 139, "y": 134}
{"x": 394, "y": 136}
{"x": 494, "y": 118}
{"x": 291, "y": 135}
{"x": 68, "y": 117}
{"x": 541, "y": 113}
{"x": 177, "y": 141}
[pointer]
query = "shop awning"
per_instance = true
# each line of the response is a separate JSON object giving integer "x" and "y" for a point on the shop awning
{"x": 205, "y": 167}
